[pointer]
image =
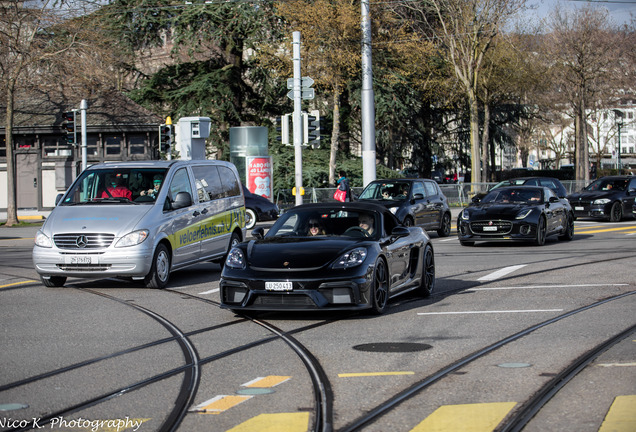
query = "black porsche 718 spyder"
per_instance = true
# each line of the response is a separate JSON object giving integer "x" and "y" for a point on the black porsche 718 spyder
{"x": 337, "y": 256}
{"x": 516, "y": 213}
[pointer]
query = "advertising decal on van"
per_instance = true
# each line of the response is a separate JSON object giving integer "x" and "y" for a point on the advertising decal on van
{"x": 223, "y": 223}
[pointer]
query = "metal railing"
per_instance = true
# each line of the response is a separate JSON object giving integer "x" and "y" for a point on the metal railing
{"x": 458, "y": 194}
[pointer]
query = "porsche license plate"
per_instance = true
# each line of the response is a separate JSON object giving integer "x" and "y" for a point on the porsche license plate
{"x": 490, "y": 228}
{"x": 80, "y": 259}
{"x": 278, "y": 286}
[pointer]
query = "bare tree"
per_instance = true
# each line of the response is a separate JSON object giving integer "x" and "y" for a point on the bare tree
{"x": 584, "y": 50}
{"x": 466, "y": 29}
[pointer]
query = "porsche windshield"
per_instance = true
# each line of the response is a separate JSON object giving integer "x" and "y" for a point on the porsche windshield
{"x": 116, "y": 186}
{"x": 327, "y": 223}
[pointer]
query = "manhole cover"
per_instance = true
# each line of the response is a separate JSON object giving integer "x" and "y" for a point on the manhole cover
{"x": 392, "y": 347}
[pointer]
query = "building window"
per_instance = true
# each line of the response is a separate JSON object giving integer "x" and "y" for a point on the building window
{"x": 3, "y": 147}
{"x": 92, "y": 148}
{"x": 113, "y": 145}
{"x": 137, "y": 144}
{"x": 55, "y": 146}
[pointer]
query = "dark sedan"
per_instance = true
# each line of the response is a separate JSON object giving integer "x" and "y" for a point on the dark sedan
{"x": 415, "y": 202}
{"x": 610, "y": 198}
{"x": 337, "y": 256}
{"x": 258, "y": 209}
{"x": 516, "y": 213}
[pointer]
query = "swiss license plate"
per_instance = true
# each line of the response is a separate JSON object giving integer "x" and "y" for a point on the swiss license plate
{"x": 579, "y": 208}
{"x": 278, "y": 286}
{"x": 490, "y": 228}
{"x": 80, "y": 259}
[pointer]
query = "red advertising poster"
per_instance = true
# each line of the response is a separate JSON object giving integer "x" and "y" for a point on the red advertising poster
{"x": 259, "y": 175}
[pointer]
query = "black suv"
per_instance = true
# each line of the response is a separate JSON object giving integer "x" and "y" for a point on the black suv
{"x": 415, "y": 202}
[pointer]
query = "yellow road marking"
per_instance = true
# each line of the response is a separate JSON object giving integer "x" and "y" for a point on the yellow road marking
{"x": 603, "y": 230}
{"x": 16, "y": 283}
{"x": 220, "y": 403}
{"x": 268, "y": 381}
{"x": 621, "y": 416}
{"x": 281, "y": 422}
{"x": 365, "y": 374}
{"x": 482, "y": 417}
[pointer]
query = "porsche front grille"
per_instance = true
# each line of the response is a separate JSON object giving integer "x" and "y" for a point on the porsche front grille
{"x": 503, "y": 227}
{"x": 83, "y": 240}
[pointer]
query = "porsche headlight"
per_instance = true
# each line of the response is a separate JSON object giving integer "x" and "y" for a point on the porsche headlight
{"x": 523, "y": 213}
{"x": 235, "y": 259}
{"x": 601, "y": 201}
{"x": 350, "y": 259}
{"x": 43, "y": 240}
{"x": 394, "y": 210}
{"x": 132, "y": 239}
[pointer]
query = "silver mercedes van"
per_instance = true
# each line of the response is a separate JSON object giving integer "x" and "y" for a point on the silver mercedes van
{"x": 141, "y": 220}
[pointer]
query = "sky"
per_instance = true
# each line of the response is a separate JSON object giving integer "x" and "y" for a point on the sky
{"x": 621, "y": 11}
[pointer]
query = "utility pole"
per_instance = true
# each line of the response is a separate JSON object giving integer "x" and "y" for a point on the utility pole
{"x": 368, "y": 104}
{"x": 83, "y": 108}
{"x": 297, "y": 125}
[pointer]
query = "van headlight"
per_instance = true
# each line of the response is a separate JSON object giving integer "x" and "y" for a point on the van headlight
{"x": 43, "y": 240}
{"x": 235, "y": 259}
{"x": 350, "y": 259}
{"x": 132, "y": 239}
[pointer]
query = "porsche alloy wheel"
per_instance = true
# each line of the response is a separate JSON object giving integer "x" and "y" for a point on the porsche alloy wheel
{"x": 380, "y": 287}
{"x": 568, "y": 232}
{"x": 541, "y": 232}
{"x": 427, "y": 284}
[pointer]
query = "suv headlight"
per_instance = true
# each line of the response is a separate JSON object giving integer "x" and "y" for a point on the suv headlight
{"x": 235, "y": 259}
{"x": 350, "y": 259}
{"x": 132, "y": 239}
{"x": 43, "y": 240}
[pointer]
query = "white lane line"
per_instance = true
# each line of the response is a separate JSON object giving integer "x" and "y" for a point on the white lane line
{"x": 449, "y": 239}
{"x": 212, "y": 291}
{"x": 548, "y": 286}
{"x": 490, "y": 312}
{"x": 501, "y": 273}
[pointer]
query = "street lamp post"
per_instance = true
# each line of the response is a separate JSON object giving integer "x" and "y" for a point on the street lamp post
{"x": 618, "y": 119}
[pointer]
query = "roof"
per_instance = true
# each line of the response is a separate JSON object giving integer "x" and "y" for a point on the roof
{"x": 39, "y": 107}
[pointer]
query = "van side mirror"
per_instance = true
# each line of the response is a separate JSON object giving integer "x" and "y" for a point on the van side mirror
{"x": 58, "y": 198}
{"x": 183, "y": 199}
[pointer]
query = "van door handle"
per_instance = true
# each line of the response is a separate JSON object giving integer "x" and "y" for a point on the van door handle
{"x": 204, "y": 211}
{"x": 196, "y": 213}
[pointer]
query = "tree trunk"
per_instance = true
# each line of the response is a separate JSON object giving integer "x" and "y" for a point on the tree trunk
{"x": 12, "y": 212}
{"x": 485, "y": 139}
{"x": 335, "y": 135}
{"x": 475, "y": 174}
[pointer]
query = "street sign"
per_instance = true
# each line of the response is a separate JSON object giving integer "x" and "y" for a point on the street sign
{"x": 306, "y": 93}
{"x": 304, "y": 82}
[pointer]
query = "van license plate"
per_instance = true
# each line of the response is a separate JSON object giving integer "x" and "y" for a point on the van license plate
{"x": 81, "y": 259}
{"x": 278, "y": 286}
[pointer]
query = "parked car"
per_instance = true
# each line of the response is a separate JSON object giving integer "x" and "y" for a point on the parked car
{"x": 141, "y": 220}
{"x": 258, "y": 209}
{"x": 550, "y": 182}
{"x": 359, "y": 258}
{"x": 516, "y": 213}
{"x": 610, "y": 198}
{"x": 415, "y": 202}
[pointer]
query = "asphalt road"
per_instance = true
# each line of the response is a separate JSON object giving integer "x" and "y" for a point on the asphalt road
{"x": 140, "y": 355}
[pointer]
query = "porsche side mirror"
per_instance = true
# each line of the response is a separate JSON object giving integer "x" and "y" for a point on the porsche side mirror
{"x": 400, "y": 231}
{"x": 476, "y": 200}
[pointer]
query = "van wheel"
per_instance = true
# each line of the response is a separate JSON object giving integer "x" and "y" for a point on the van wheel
{"x": 53, "y": 281}
{"x": 160, "y": 269}
{"x": 250, "y": 218}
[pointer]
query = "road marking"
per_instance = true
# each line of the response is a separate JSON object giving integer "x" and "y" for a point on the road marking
{"x": 219, "y": 404}
{"x": 482, "y": 417}
{"x": 546, "y": 286}
{"x": 16, "y": 283}
{"x": 621, "y": 416}
{"x": 501, "y": 273}
{"x": 268, "y": 381}
{"x": 491, "y": 312}
{"x": 280, "y": 422}
{"x": 632, "y": 364}
{"x": 368, "y": 374}
{"x": 449, "y": 239}
{"x": 594, "y": 231}
{"x": 212, "y": 291}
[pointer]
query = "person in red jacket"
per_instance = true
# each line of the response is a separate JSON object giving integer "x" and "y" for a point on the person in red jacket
{"x": 116, "y": 189}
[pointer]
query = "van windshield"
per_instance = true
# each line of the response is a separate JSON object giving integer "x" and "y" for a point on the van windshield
{"x": 116, "y": 186}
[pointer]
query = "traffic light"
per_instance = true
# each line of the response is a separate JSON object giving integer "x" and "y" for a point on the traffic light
{"x": 311, "y": 128}
{"x": 69, "y": 127}
{"x": 165, "y": 138}
{"x": 282, "y": 127}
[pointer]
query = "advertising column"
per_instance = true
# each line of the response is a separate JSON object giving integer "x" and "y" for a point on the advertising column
{"x": 259, "y": 175}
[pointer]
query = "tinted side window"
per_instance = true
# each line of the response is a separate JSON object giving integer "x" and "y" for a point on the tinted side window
{"x": 431, "y": 189}
{"x": 418, "y": 188}
{"x": 632, "y": 184}
{"x": 231, "y": 186}
{"x": 208, "y": 182}
{"x": 180, "y": 183}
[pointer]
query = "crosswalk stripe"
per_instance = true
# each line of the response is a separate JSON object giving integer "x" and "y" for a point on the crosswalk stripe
{"x": 621, "y": 416}
{"x": 481, "y": 417}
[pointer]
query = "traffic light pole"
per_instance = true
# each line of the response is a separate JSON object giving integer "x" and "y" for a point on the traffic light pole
{"x": 297, "y": 123}
{"x": 83, "y": 108}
